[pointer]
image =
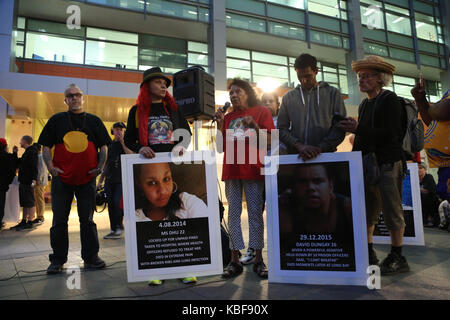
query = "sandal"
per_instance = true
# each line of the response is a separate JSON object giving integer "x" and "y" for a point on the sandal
{"x": 261, "y": 270}
{"x": 233, "y": 269}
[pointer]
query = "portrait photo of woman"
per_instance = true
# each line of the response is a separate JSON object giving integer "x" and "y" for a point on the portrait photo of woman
{"x": 157, "y": 196}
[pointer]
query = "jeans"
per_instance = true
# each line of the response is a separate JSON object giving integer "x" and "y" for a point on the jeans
{"x": 114, "y": 195}
{"x": 62, "y": 197}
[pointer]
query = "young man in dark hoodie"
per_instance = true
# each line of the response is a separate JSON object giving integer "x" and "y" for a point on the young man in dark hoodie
{"x": 28, "y": 171}
{"x": 306, "y": 114}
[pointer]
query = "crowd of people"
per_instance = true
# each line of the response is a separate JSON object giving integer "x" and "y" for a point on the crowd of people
{"x": 311, "y": 119}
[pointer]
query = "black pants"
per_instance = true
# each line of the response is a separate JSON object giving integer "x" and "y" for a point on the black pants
{"x": 3, "y": 190}
{"x": 114, "y": 195}
{"x": 62, "y": 197}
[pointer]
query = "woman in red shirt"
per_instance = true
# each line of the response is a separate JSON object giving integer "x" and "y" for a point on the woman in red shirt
{"x": 242, "y": 171}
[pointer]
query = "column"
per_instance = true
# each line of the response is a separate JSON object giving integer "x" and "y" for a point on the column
{"x": 445, "y": 16}
{"x": 356, "y": 53}
{"x": 7, "y": 10}
{"x": 217, "y": 40}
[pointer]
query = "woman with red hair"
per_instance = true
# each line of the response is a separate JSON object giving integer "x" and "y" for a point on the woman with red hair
{"x": 151, "y": 123}
{"x": 155, "y": 116}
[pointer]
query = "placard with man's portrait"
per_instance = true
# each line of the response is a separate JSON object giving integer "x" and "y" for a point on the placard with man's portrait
{"x": 316, "y": 217}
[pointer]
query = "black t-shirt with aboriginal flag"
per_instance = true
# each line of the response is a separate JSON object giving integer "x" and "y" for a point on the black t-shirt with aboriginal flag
{"x": 76, "y": 138}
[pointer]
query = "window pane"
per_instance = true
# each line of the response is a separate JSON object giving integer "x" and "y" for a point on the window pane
{"x": 400, "y": 40}
{"x": 402, "y": 54}
{"x": 162, "y": 58}
{"x": 423, "y": 7}
{"x": 428, "y": 46}
{"x": 375, "y": 49}
{"x": 52, "y": 48}
{"x": 378, "y": 35}
{"x": 238, "y": 53}
{"x": 372, "y": 16}
{"x": 243, "y": 22}
{"x": 288, "y": 14}
{"x": 102, "y": 34}
{"x": 426, "y": 31}
{"x": 146, "y": 40}
{"x": 324, "y": 22}
{"x": 343, "y": 81}
{"x": 398, "y": 24}
{"x": 238, "y": 64}
{"x": 106, "y": 54}
{"x": 286, "y": 30}
{"x": 269, "y": 70}
{"x": 201, "y": 59}
{"x": 403, "y": 90}
{"x": 172, "y": 9}
{"x": 405, "y": 80}
{"x": 55, "y": 28}
{"x": 203, "y": 15}
{"x": 330, "y": 77}
{"x": 247, "y": 6}
{"x": 272, "y": 81}
{"x": 197, "y": 47}
{"x": 131, "y": 5}
{"x": 21, "y": 23}
{"x": 325, "y": 7}
{"x": 299, "y": 4}
{"x": 429, "y": 60}
{"x": 19, "y": 51}
{"x": 270, "y": 58}
{"x": 397, "y": 9}
{"x": 326, "y": 38}
{"x": 237, "y": 73}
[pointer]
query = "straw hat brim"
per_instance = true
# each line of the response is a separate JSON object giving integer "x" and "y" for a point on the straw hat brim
{"x": 375, "y": 65}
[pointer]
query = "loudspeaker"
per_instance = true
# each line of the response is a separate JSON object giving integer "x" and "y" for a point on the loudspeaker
{"x": 193, "y": 89}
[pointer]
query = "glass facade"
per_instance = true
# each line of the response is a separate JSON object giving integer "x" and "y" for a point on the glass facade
{"x": 391, "y": 22}
{"x": 388, "y": 30}
{"x": 183, "y": 9}
{"x": 327, "y": 19}
{"x": 51, "y": 41}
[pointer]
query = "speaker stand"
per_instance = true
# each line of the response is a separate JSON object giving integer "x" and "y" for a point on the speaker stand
{"x": 197, "y": 126}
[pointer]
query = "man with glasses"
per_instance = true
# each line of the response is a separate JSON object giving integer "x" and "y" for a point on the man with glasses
{"x": 306, "y": 115}
{"x": 380, "y": 129}
{"x": 76, "y": 137}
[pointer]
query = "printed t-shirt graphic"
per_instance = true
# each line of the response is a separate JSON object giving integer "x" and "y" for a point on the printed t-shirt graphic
{"x": 249, "y": 169}
{"x": 437, "y": 141}
{"x": 76, "y": 138}
{"x": 160, "y": 130}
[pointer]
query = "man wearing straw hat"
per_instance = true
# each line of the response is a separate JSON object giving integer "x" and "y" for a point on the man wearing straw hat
{"x": 380, "y": 129}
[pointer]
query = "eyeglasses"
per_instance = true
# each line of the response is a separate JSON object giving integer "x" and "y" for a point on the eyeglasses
{"x": 74, "y": 95}
{"x": 366, "y": 75}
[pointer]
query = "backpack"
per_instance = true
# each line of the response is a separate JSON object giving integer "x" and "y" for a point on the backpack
{"x": 413, "y": 141}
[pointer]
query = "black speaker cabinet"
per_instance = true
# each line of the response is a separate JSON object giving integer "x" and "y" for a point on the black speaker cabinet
{"x": 193, "y": 89}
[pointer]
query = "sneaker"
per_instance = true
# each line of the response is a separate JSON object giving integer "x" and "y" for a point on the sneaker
{"x": 114, "y": 235}
{"x": 189, "y": 280}
{"x": 37, "y": 221}
{"x": 249, "y": 257}
{"x": 18, "y": 226}
{"x": 373, "y": 259}
{"x": 154, "y": 282}
{"x": 27, "y": 226}
{"x": 393, "y": 264}
{"x": 54, "y": 268}
{"x": 95, "y": 263}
